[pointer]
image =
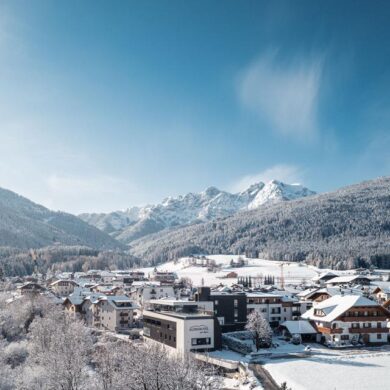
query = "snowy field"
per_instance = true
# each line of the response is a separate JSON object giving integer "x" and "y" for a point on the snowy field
{"x": 334, "y": 370}
{"x": 294, "y": 273}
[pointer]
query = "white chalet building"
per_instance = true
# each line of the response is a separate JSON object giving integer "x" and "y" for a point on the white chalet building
{"x": 350, "y": 319}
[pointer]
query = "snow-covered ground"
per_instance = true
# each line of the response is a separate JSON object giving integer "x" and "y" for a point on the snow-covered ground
{"x": 294, "y": 273}
{"x": 334, "y": 370}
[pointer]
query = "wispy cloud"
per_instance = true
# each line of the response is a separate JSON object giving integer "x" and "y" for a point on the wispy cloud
{"x": 58, "y": 175}
{"x": 283, "y": 172}
{"x": 285, "y": 96}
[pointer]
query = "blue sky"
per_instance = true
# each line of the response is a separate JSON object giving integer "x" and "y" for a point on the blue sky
{"x": 110, "y": 104}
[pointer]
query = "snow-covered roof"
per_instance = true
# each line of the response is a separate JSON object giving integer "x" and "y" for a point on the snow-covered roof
{"x": 142, "y": 283}
{"x": 260, "y": 294}
{"x": 307, "y": 292}
{"x": 336, "y": 306}
{"x": 63, "y": 280}
{"x": 172, "y": 301}
{"x": 299, "y": 327}
{"x": 324, "y": 275}
{"x": 346, "y": 279}
{"x": 384, "y": 286}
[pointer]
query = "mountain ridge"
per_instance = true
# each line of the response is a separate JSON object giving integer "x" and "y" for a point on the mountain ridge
{"x": 212, "y": 203}
{"x": 25, "y": 224}
{"x": 342, "y": 229}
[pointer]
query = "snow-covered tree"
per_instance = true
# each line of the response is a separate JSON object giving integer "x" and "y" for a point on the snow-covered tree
{"x": 260, "y": 329}
{"x": 61, "y": 346}
{"x": 126, "y": 366}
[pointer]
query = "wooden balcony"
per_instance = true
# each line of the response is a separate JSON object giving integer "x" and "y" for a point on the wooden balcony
{"x": 368, "y": 330}
{"x": 363, "y": 319}
{"x": 329, "y": 330}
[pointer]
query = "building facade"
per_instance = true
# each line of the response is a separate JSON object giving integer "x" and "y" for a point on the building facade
{"x": 350, "y": 319}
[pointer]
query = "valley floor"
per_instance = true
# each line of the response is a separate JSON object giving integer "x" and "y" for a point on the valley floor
{"x": 324, "y": 369}
{"x": 295, "y": 273}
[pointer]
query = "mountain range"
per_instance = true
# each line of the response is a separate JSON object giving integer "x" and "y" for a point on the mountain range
{"x": 193, "y": 208}
{"x": 342, "y": 229}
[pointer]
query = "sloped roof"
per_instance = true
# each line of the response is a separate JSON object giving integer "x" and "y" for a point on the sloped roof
{"x": 337, "y": 305}
{"x": 346, "y": 279}
{"x": 63, "y": 280}
{"x": 299, "y": 327}
{"x": 324, "y": 274}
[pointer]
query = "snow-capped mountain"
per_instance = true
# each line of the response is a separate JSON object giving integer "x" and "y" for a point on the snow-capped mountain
{"x": 136, "y": 222}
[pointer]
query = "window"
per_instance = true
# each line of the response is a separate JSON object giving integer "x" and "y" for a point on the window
{"x": 216, "y": 302}
{"x": 235, "y": 312}
{"x": 379, "y": 336}
{"x": 367, "y": 325}
{"x": 379, "y": 325}
{"x": 201, "y": 341}
{"x": 344, "y": 337}
{"x": 235, "y": 302}
{"x": 355, "y": 325}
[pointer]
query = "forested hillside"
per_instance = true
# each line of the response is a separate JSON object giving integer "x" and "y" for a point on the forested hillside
{"x": 341, "y": 229}
{"x": 19, "y": 262}
{"x": 24, "y": 224}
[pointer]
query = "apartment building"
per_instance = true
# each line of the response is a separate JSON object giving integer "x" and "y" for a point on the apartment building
{"x": 63, "y": 287}
{"x": 349, "y": 319}
{"x": 276, "y": 307}
{"x": 143, "y": 292}
{"x": 229, "y": 308}
{"x": 164, "y": 277}
{"x": 30, "y": 288}
{"x": 117, "y": 313}
{"x": 182, "y": 326}
{"x": 114, "y": 313}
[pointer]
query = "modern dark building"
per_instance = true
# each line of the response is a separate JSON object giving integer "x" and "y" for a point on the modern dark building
{"x": 229, "y": 308}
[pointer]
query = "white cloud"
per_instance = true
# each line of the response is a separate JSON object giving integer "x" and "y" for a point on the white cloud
{"x": 286, "y": 97}
{"x": 287, "y": 173}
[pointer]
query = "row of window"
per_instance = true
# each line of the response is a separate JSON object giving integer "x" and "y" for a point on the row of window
{"x": 361, "y": 314}
{"x": 263, "y": 300}
{"x": 167, "y": 337}
{"x": 366, "y": 325}
{"x": 345, "y": 337}
{"x": 235, "y": 302}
